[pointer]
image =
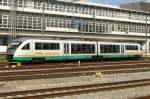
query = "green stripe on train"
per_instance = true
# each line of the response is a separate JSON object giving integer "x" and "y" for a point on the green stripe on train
{"x": 120, "y": 55}
{"x": 75, "y": 57}
{"x": 22, "y": 59}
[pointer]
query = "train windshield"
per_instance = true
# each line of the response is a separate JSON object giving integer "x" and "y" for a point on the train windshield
{"x": 14, "y": 45}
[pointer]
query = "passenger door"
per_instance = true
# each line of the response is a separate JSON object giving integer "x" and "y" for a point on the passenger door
{"x": 66, "y": 51}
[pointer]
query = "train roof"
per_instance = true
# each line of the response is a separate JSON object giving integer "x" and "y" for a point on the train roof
{"x": 45, "y": 39}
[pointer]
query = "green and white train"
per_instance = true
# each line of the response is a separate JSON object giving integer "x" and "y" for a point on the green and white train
{"x": 31, "y": 50}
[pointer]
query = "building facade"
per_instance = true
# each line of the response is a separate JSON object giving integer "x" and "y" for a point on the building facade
{"x": 66, "y": 20}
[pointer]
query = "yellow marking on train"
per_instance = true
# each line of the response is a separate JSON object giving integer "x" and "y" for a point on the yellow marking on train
{"x": 24, "y": 55}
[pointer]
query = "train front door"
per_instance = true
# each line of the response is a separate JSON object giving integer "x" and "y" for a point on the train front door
{"x": 122, "y": 49}
{"x": 66, "y": 51}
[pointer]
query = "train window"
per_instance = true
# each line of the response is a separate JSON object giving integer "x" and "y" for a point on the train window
{"x": 54, "y": 46}
{"x": 47, "y": 46}
{"x": 26, "y": 47}
{"x": 131, "y": 47}
{"x": 82, "y": 48}
{"x": 38, "y": 46}
{"x": 14, "y": 45}
{"x": 109, "y": 48}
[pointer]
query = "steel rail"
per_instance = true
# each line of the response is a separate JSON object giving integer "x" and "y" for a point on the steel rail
{"x": 92, "y": 63}
{"x": 76, "y": 89}
{"x": 42, "y": 75}
{"x": 25, "y": 67}
{"x": 76, "y": 63}
{"x": 77, "y": 68}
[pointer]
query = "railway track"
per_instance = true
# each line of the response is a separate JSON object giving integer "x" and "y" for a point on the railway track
{"x": 69, "y": 72}
{"x": 77, "y": 68}
{"x": 61, "y": 65}
{"x": 2, "y": 64}
{"x": 76, "y": 89}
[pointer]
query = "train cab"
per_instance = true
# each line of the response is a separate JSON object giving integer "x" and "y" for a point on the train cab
{"x": 11, "y": 49}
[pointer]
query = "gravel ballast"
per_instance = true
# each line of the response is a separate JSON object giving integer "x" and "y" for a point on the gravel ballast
{"x": 131, "y": 93}
{"x": 81, "y": 80}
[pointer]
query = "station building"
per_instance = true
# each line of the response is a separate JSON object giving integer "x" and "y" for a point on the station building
{"x": 68, "y": 20}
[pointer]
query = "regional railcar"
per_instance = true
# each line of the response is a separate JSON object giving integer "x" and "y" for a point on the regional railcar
{"x": 32, "y": 50}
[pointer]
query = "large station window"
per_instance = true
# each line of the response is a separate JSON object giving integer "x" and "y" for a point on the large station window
{"x": 5, "y": 20}
{"x": 82, "y": 48}
{"x": 109, "y": 48}
{"x": 5, "y": 2}
{"x": 46, "y": 46}
{"x": 131, "y": 47}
